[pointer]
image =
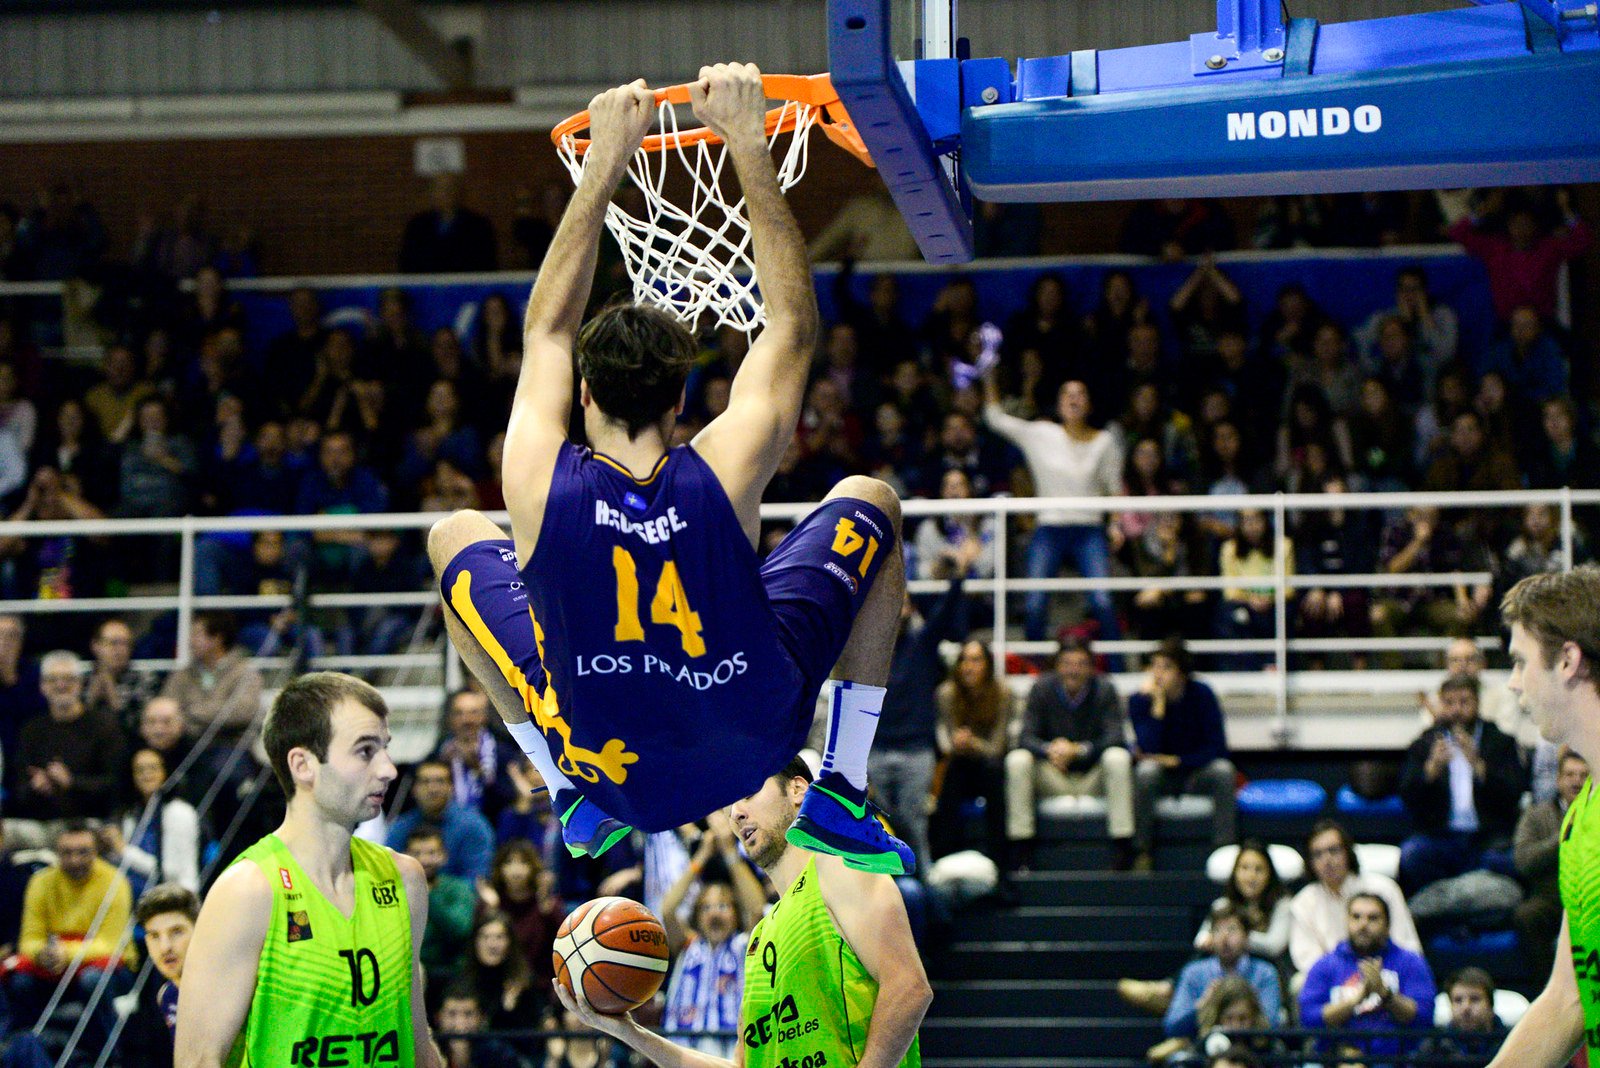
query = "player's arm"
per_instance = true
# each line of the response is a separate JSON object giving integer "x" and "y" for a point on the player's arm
{"x": 744, "y": 444}
{"x": 543, "y": 399}
{"x": 871, "y": 915}
{"x": 1549, "y": 1032}
{"x": 224, "y": 957}
{"x": 642, "y": 1040}
{"x": 426, "y": 1053}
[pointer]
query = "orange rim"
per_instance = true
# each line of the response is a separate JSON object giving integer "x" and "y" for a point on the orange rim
{"x": 815, "y": 90}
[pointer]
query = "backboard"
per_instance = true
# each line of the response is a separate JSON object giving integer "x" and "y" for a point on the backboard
{"x": 1497, "y": 92}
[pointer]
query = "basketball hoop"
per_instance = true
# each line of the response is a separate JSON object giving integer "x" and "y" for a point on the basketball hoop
{"x": 695, "y": 258}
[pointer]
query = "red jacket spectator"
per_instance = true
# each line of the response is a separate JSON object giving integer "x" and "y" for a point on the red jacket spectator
{"x": 1523, "y": 267}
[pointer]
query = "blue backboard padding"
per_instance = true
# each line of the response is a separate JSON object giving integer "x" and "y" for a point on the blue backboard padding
{"x": 1349, "y": 285}
{"x": 1470, "y": 33}
{"x": 938, "y": 98}
{"x": 862, "y": 66}
{"x": 1166, "y": 65}
{"x": 1493, "y": 122}
{"x": 1050, "y": 76}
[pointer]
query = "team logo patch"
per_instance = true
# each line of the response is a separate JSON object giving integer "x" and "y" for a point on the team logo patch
{"x": 299, "y": 927}
{"x": 385, "y": 896}
{"x": 634, "y": 502}
{"x": 283, "y": 876}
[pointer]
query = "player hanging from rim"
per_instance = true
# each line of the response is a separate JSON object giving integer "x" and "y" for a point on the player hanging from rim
{"x": 1555, "y": 673}
{"x": 832, "y": 975}
{"x": 651, "y": 668}
{"x": 306, "y": 948}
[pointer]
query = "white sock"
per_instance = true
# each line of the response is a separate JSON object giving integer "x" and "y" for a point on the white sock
{"x": 531, "y": 741}
{"x": 853, "y": 711}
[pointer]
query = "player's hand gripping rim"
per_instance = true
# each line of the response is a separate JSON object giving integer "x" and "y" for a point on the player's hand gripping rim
{"x": 618, "y": 121}
{"x": 730, "y": 100}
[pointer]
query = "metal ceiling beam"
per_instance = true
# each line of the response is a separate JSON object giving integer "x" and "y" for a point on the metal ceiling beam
{"x": 405, "y": 20}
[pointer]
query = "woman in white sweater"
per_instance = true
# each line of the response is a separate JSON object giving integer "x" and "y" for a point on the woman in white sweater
{"x": 1068, "y": 458}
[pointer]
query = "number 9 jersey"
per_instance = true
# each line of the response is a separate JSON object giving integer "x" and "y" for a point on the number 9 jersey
{"x": 669, "y": 670}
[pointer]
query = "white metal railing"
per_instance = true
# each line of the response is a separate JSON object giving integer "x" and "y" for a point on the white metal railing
{"x": 1001, "y": 510}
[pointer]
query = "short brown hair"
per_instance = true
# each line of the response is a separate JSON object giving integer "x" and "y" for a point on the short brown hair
{"x": 1473, "y": 977}
{"x": 635, "y": 359}
{"x": 1223, "y": 911}
{"x": 1322, "y": 827}
{"x": 166, "y": 897}
{"x": 1461, "y": 681}
{"x": 1175, "y": 651}
{"x": 302, "y": 717}
{"x": 1559, "y": 607}
{"x": 795, "y": 769}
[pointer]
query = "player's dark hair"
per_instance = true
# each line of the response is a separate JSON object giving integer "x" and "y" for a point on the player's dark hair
{"x": 1382, "y": 904}
{"x": 635, "y": 359}
{"x": 423, "y": 832}
{"x": 795, "y": 769}
{"x": 302, "y": 717}
{"x": 163, "y": 898}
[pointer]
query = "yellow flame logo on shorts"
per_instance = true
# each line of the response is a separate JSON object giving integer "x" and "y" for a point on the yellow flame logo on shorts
{"x": 612, "y": 759}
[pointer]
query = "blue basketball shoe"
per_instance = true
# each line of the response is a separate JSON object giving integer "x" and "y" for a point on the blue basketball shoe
{"x": 584, "y": 828}
{"x": 836, "y": 818}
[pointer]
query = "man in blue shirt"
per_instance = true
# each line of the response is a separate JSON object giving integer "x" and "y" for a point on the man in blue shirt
{"x": 1367, "y": 983}
{"x": 1229, "y": 936}
{"x": 1179, "y": 746}
{"x": 468, "y": 838}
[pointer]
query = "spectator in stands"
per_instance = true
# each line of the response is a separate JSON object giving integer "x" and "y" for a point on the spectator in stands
{"x": 975, "y": 711}
{"x": 69, "y": 763}
{"x": 1317, "y": 912}
{"x": 1179, "y": 746}
{"x": 1119, "y": 309}
{"x": 1335, "y": 541}
{"x": 1523, "y": 264}
{"x": 709, "y": 958}
{"x": 219, "y": 687}
{"x": 1496, "y": 703}
{"x": 337, "y": 485}
{"x": 1065, "y": 459}
{"x": 292, "y": 355}
{"x": 115, "y": 687}
{"x": 72, "y": 444}
{"x": 21, "y": 699}
{"x": 1470, "y": 462}
{"x": 901, "y": 764}
{"x": 114, "y": 398}
{"x": 467, "y": 838}
{"x": 1538, "y": 839}
{"x": 158, "y": 465}
{"x": 158, "y": 836}
{"x": 451, "y": 901}
{"x": 1434, "y": 327}
{"x": 1206, "y": 303}
{"x": 498, "y": 970}
{"x": 1174, "y": 228}
{"x": 59, "y": 566}
{"x": 265, "y": 481}
{"x": 1166, "y": 550}
{"x": 1074, "y": 743}
{"x": 161, "y": 729}
{"x": 1474, "y": 1033}
{"x": 945, "y": 543}
{"x": 1226, "y": 956}
{"x": 167, "y": 913}
{"x": 448, "y": 238}
{"x": 61, "y": 238}
{"x": 1368, "y": 983}
{"x": 528, "y": 816}
{"x": 1562, "y": 457}
{"x": 987, "y": 460}
{"x": 1381, "y": 440}
{"x": 461, "y": 1015}
{"x": 1330, "y": 368}
{"x": 1257, "y": 896}
{"x": 1462, "y": 782}
{"x": 1393, "y": 359}
{"x": 475, "y": 755}
{"x": 1538, "y": 547}
{"x": 522, "y": 889}
{"x": 1419, "y": 543}
{"x": 1249, "y": 610}
{"x": 59, "y": 922}
{"x": 443, "y": 435}
{"x": 1047, "y": 326}
{"x": 1311, "y": 425}
{"x": 1529, "y": 359}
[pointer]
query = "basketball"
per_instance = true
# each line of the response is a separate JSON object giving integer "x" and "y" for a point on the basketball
{"x": 616, "y": 948}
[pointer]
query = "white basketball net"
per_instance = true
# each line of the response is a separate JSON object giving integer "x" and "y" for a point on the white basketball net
{"x": 695, "y": 259}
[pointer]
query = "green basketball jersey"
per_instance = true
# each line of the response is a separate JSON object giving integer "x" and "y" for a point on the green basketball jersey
{"x": 330, "y": 990}
{"x": 807, "y": 998}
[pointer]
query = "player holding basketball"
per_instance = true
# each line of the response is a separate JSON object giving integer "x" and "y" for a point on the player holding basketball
{"x": 651, "y": 668}
{"x": 832, "y": 976}
{"x": 306, "y": 949}
{"x": 1555, "y": 673}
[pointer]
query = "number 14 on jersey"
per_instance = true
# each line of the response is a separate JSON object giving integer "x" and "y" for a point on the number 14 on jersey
{"x": 669, "y": 606}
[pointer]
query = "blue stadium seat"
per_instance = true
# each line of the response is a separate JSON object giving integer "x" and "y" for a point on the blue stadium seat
{"x": 1351, "y": 803}
{"x": 1282, "y": 797}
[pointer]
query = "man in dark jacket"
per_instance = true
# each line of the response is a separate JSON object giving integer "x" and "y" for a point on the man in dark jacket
{"x": 1074, "y": 742}
{"x": 900, "y": 766}
{"x": 1462, "y": 783}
